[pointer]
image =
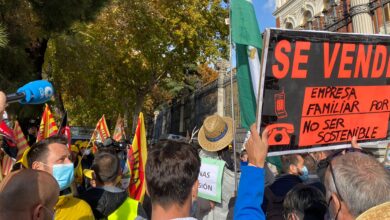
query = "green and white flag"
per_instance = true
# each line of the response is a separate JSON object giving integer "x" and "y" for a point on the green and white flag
{"x": 246, "y": 36}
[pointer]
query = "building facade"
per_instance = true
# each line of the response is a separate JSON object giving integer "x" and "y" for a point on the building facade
{"x": 360, "y": 16}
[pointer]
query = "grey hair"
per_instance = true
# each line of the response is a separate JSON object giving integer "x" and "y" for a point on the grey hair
{"x": 361, "y": 180}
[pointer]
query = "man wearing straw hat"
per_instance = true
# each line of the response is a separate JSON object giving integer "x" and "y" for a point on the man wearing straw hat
{"x": 214, "y": 137}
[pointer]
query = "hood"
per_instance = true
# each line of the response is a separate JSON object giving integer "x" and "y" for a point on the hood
{"x": 104, "y": 202}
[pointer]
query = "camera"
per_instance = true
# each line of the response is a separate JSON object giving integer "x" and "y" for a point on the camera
{"x": 111, "y": 145}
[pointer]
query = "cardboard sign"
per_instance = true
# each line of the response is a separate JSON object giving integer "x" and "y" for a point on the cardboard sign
{"x": 319, "y": 89}
{"x": 210, "y": 179}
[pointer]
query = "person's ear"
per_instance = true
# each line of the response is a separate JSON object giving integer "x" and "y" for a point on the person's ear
{"x": 335, "y": 202}
{"x": 93, "y": 180}
{"x": 293, "y": 169}
{"x": 292, "y": 216}
{"x": 194, "y": 190}
{"x": 36, "y": 165}
{"x": 146, "y": 189}
{"x": 38, "y": 213}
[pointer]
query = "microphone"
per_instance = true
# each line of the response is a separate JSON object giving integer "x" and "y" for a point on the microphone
{"x": 36, "y": 92}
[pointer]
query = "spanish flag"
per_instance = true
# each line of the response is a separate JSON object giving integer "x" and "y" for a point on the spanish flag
{"x": 101, "y": 133}
{"x": 20, "y": 139}
{"x": 48, "y": 126}
{"x": 136, "y": 160}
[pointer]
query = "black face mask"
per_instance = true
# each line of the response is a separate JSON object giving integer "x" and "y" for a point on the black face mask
{"x": 328, "y": 215}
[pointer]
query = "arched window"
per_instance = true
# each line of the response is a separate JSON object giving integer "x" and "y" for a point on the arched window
{"x": 289, "y": 26}
{"x": 307, "y": 20}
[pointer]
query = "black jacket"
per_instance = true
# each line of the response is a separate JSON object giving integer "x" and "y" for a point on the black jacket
{"x": 104, "y": 202}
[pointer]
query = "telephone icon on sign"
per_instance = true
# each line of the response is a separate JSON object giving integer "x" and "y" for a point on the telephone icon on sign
{"x": 280, "y": 104}
{"x": 278, "y": 134}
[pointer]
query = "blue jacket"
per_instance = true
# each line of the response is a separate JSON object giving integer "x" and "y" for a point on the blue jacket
{"x": 250, "y": 194}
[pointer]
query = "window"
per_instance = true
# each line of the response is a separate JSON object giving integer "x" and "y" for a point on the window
{"x": 326, "y": 5}
{"x": 387, "y": 12}
{"x": 307, "y": 20}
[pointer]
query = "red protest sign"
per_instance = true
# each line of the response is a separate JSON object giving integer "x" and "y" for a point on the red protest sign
{"x": 319, "y": 89}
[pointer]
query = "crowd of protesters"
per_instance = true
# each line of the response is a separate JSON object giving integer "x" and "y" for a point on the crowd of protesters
{"x": 53, "y": 182}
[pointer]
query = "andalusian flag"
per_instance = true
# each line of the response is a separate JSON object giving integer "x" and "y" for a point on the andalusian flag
{"x": 137, "y": 159}
{"x": 48, "y": 126}
{"x": 119, "y": 132}
{"x": 101, "y": 133}
{"x": 20, "y": 139}
{"x": 246, "y": 36}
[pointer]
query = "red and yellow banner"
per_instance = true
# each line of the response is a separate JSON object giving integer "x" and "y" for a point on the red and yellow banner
{"x": 119, "y": 132}
{"x": 20, "y": 139}
{"x": 136, "y": 160}
{"x": 101, "y": 133}
{"x": 6, "y": 165}
{"x": 48, "y": 126}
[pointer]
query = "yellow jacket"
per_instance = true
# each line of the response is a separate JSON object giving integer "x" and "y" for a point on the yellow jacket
{"x": 127, "y": 211}
{"x": 69, "y": 208}
{"x": 78, "y": 172}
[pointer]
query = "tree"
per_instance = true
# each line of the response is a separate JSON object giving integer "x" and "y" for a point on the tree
{"x": 29, "y": 24}
{"x": 135, "y": 48}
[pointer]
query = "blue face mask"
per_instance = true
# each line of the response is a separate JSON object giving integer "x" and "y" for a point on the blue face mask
{"x": 304, "y": 174}
{"x": 64, "y": 174}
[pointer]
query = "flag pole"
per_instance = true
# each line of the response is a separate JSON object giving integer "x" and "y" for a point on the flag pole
{"x": 232, "y": 100}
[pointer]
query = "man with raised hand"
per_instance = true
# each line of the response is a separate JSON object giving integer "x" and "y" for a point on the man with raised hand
{"x": 250, "y": 195}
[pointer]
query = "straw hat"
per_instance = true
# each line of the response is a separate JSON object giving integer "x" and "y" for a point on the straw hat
{"x": 216, "y": 133}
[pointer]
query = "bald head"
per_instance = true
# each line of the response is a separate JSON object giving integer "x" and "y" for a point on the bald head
{"x": 37, "y": 190}
{"x": 2, "y": 104}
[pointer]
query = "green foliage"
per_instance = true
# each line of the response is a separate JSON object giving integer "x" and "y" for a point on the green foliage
{"x": 26, "y": 26}
{"x": 59, "y": 15}
{"x": 3, "y": 36}
{"x": 133, "y": 49}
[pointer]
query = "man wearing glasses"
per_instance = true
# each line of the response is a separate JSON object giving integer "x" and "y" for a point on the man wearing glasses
{"x": 357, "y": 186}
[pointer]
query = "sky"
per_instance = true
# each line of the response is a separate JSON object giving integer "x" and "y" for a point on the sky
{"x": 265, "y": 19}
{"x": 264, "y": 9}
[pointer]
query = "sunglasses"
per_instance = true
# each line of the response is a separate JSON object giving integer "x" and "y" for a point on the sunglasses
{"x": 327, "y": 162}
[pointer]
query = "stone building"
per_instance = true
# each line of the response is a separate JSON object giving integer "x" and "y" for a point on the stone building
{"x": 360, "y": 16}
